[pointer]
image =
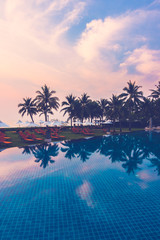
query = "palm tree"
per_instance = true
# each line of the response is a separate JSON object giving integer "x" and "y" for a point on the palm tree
{"x": 93, "y": 109}
{"x": 28, "y": 107}
{"x": 46, "y": 102}
{"x": 70, "y": 106}
{"x": 156, "y": 93}
{"x": 115, "y": 109}
{"x": 148, "y": 108}
{"x": 84, "y": 100}
{"x": 102, "y": 104}
{"x": 132, "y": 97}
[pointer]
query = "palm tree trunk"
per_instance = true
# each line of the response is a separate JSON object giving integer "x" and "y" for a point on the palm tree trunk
{"x": 120, "y": 126}
{"x": 31, "y": 118}
{"x": 129, "y": 124}
{"x": 45, "y": 114}
{"x": 113, "y": 125}
{"x": 130, "y": 113}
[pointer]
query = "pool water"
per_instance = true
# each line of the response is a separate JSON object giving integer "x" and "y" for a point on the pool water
{"x": 97, "y": 188}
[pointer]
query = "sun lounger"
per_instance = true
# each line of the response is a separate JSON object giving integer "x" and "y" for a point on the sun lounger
{"x": 87, "y": 132}
{"x": 3, "y": 138}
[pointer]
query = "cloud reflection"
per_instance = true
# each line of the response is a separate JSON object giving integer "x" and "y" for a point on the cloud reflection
{"x": 85, "y": 191}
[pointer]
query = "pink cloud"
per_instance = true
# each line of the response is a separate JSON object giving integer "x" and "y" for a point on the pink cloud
{"x": 35, "y": 50}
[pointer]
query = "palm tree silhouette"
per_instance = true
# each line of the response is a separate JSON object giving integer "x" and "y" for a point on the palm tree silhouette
{"x": 115, "y": 109}
{"x": 93, "y": 110}
{"x": 70, "y": 106}
{"x": 132, "y": 97}
{"x": 147, "y": 109}
{"x": 28, "y": 107}
{"x": 84, "y": 100}
{"x": 44, "y": 154}
{"x": 103, "y": 105}
{"x": 46, "y": 102}
{"x": 156, "y": 93}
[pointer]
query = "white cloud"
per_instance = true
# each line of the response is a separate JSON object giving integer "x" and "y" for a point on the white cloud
{"x": 122, "y": 31}
{"x": 35, "y": 50}
{"x": 144, "y": 60}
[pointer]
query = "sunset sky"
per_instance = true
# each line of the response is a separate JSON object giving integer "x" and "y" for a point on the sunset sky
{"x": 74, "y": 47}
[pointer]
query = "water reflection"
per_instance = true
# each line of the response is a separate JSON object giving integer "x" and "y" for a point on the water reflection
{"x": 155, "y": 162}
{"x": 128, "y": 149}
{"x": 79, "y": 149}
{"x": 43, "y": 153}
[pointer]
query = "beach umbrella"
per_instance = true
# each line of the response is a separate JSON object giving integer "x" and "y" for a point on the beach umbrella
{"x": 78, "y": 122}
{"x": 31, "y": 124}
{"x": 19, "y": 122}
{"x": 64, "y": 123}
{"x": 25, "y": 124}
{"x": 41, "y": 122}
{"x": 47, "y": 123}
{"x": 108, "y": 122}
{"x": 57, "y": 123}
{"x": 3, "y": 125}
{"x": 88, "y": 123}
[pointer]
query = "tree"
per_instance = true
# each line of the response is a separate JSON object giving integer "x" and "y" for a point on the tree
{"x": 156, "y": 93}
{"x": 84, "y": 100}
{"x": 115, "y": 109}
{"x": 147, "y": 110}
{"x": 132, "y": 97}
{"x": 70, "y": 104}
{"x": 93, "y": 109}
{"x": 28, "y": 107}
{"x": 103, "y": 105}
{"x": 46, "y": 102}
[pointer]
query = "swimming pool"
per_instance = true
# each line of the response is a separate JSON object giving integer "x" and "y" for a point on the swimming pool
{"x": 98, "y": 188}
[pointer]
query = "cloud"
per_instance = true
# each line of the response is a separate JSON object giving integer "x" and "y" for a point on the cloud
{"x": 114, "y": 34}
{"x": 145, "y": 61}
{"x": 84, "y": 191}
{"x": 35, "y": 49}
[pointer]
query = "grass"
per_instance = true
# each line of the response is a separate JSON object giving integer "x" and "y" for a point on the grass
{"x": 67, "y": 133}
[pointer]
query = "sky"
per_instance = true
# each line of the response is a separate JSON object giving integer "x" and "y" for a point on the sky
{"x": 76, "y": 46}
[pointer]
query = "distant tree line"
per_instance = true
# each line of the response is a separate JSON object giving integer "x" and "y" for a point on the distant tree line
{"x": 130, "y": 106}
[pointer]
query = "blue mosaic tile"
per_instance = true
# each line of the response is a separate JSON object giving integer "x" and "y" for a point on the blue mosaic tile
{"x": 98, "y": 188}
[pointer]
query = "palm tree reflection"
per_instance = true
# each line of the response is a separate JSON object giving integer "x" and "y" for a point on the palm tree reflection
{"x": 132, "y": 159}
{"x": 29, "y": 149}
{"x": 69, "y": 149}
{"x": 112, "y": 147}
{"x": 156, "y": 163}
{"x": 44, "y": 154}
{"x": 129, "y": 150}
{"x": 79, "y": 149}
